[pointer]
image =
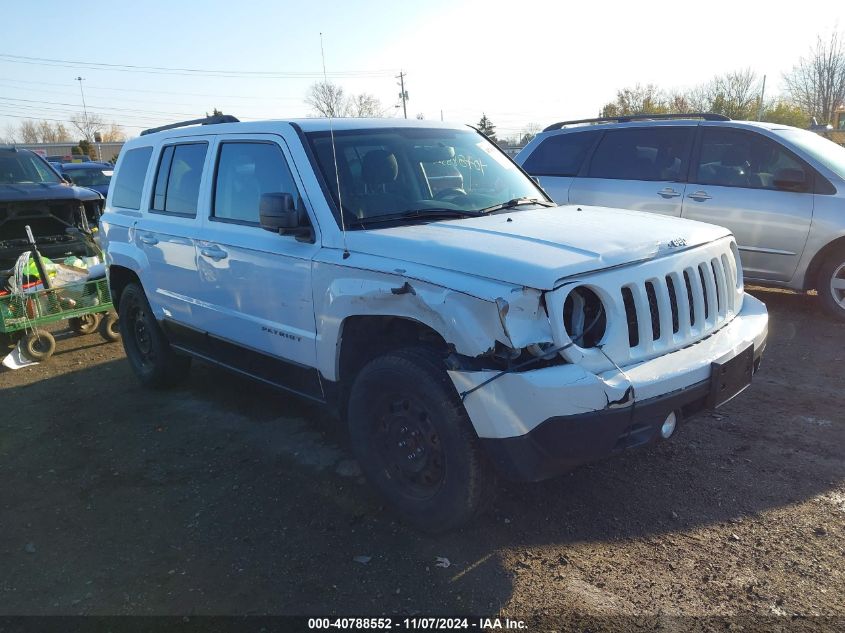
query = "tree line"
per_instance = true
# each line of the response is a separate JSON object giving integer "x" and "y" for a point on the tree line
{"x": 813, "y": 90}
{"x": 91, "y": 129}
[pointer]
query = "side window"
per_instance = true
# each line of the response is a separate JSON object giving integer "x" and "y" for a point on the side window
{"x": 648, "y": 153}
{"x": 245, "y": 171}
{"x": 177, "y": 186}
{"x": 734, "y": 158}
{"x": 130, "y": 178}
{"x": 560, "y": 155}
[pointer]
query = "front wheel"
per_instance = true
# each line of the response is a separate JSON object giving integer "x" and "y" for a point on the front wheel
{"x": 831, "y": 285}
{"x": 415, "y": 442}
{"x": 149, "y": 353}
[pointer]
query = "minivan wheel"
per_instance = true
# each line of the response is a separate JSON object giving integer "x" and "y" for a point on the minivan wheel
{"x": 415, "y": 442}
{"x": 150, "y": 355}
{"x": 831, "y": 285}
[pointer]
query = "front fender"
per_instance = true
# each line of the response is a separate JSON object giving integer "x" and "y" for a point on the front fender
{"x": 470, "y": 324}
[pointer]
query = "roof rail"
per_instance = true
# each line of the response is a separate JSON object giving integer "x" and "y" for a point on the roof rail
{"x": 626, "y": 118}
{"x": 209, "y": 120}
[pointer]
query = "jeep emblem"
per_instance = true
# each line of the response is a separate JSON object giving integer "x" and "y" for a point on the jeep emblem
{"x": 677, "y": 242}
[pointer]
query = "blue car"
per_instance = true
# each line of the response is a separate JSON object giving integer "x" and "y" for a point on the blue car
{"x": 89, "y": 174}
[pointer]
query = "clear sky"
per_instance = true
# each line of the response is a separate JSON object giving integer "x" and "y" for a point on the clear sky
{"x": 520, "y": 61}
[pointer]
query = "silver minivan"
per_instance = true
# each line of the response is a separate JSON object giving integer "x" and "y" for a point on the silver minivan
{"x": 779, "y": 189}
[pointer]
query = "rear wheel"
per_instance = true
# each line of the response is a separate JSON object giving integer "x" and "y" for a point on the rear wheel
{"x": 150, "y": 355}
{"x": 85, "y": 324}
{"x": 831, "y": 285}
{"x": 414, "y": 441}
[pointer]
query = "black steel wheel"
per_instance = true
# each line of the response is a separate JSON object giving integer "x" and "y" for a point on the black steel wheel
{"x": 414, "y": 441}
{"x": 149, "y": 353}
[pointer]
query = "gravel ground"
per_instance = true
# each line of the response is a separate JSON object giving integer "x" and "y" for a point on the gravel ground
{"x": 225, "y": 497}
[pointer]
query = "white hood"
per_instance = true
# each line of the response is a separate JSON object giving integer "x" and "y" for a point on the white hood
{"x": 536, "y": 248}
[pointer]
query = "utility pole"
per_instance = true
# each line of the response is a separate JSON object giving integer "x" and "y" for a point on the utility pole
{"x": 762, "y": 94}
{"x": 403, "y": 94}
{"x": 85, "y": 111}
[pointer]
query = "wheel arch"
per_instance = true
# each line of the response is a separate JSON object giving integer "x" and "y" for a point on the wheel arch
{"x": 811, "y": 276}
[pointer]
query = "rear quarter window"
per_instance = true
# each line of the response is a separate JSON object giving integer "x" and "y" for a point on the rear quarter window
{"x": 129, "y": 180}
{"x": 560, "y": 155}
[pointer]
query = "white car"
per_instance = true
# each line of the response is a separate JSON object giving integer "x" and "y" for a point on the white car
{"x": 463, "y": 328}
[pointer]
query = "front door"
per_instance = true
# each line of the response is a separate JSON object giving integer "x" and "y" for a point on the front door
{"x": 739, "y": 180}
{"x": 255, "y": 285}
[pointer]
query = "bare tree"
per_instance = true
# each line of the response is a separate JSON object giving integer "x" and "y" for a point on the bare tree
{"x": 648, "y": 99}
{"x": 817, "y": 83}
{"x": 52, "y": 132}
{"x": 326, "y": 99}
{"x": 364, "y": 105}
{"x": 10, "y": 135}
{"x": 735, "y": 94}
{"x": 28, "y": 131}
{"x": 88, "y": 126}
{"x": 113, "y": 133}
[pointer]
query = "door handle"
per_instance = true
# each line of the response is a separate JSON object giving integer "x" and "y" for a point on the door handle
{"x": 214, "y": 252}
{"x": 148, "y": 239}
{"x": 700, "y": 196}
{"x": 668, "y": 192}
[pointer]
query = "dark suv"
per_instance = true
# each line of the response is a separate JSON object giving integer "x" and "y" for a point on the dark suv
{"x": 32, "y": 193}
{"x": 780, "y": 190}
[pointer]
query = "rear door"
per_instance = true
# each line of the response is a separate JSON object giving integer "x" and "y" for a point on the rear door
{"x": 733, "y": 182}
{"x": 255, "y": 285}
{"x": 168, "y": 229}
{"x": 557, "y": 159}
{"x": 640, "y": 168}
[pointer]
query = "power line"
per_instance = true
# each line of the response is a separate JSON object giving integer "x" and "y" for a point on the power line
{"x": 163, "y": 70}
{"x": 162, "y": 92}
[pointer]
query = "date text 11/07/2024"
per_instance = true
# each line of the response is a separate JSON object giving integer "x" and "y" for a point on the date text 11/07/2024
{"x": 416, "y": 623}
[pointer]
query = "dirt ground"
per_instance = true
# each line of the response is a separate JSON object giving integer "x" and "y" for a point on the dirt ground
{"x": 225, "y": 497}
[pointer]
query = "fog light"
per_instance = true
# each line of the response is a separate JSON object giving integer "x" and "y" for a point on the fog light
{"x": 668, "y": 426}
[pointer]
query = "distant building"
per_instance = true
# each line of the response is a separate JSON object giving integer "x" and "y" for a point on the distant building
{"x": 100, "y": 151}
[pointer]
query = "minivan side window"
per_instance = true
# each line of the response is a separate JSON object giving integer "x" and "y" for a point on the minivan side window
{"x": 245, "y": 171}
{"x": 735, "y": 158}
{"x": 177, "y": 186}
{"x": 130, "y": 179}
{"x": 647, "y": 153}
{"x": 560, "y": 155}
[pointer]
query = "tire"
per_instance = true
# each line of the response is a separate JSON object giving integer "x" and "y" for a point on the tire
{"x": 85, "y": 324}
{"x": 831, "y": 285}
{"x": 150, "y": 355}
{"x": 109, "y": 328}
{"x": 415, "y": 443}
{"x": 39, "y": 345}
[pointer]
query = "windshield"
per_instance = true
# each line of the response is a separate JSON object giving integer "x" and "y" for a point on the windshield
{"x": 21, "y": 168}
{"x": 418, "y": 171}
{"x": 89, "y": 177}
{"x": 823, "y": 150}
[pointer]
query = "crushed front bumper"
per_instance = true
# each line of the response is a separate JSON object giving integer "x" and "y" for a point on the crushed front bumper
{"x": 537, "y": 424}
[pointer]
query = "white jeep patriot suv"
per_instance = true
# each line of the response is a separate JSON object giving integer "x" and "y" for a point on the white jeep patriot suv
{"x": 411, "y": 276}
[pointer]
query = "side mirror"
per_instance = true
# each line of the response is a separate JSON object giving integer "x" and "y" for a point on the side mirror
{"x": 278, "y": 213}
{"x": 791, "y": 180}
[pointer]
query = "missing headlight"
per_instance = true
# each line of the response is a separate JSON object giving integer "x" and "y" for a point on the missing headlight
{"x": 584, "y": 317}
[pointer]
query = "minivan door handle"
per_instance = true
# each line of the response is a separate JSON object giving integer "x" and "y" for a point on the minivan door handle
{"x": 214, "y": 252}
{"x": 700, "y": 196}
{"x": 668, "y": 192}
{"x": 148, "y": 239}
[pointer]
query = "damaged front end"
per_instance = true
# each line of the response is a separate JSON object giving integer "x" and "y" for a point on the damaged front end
{"x": 49, "y": 217}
